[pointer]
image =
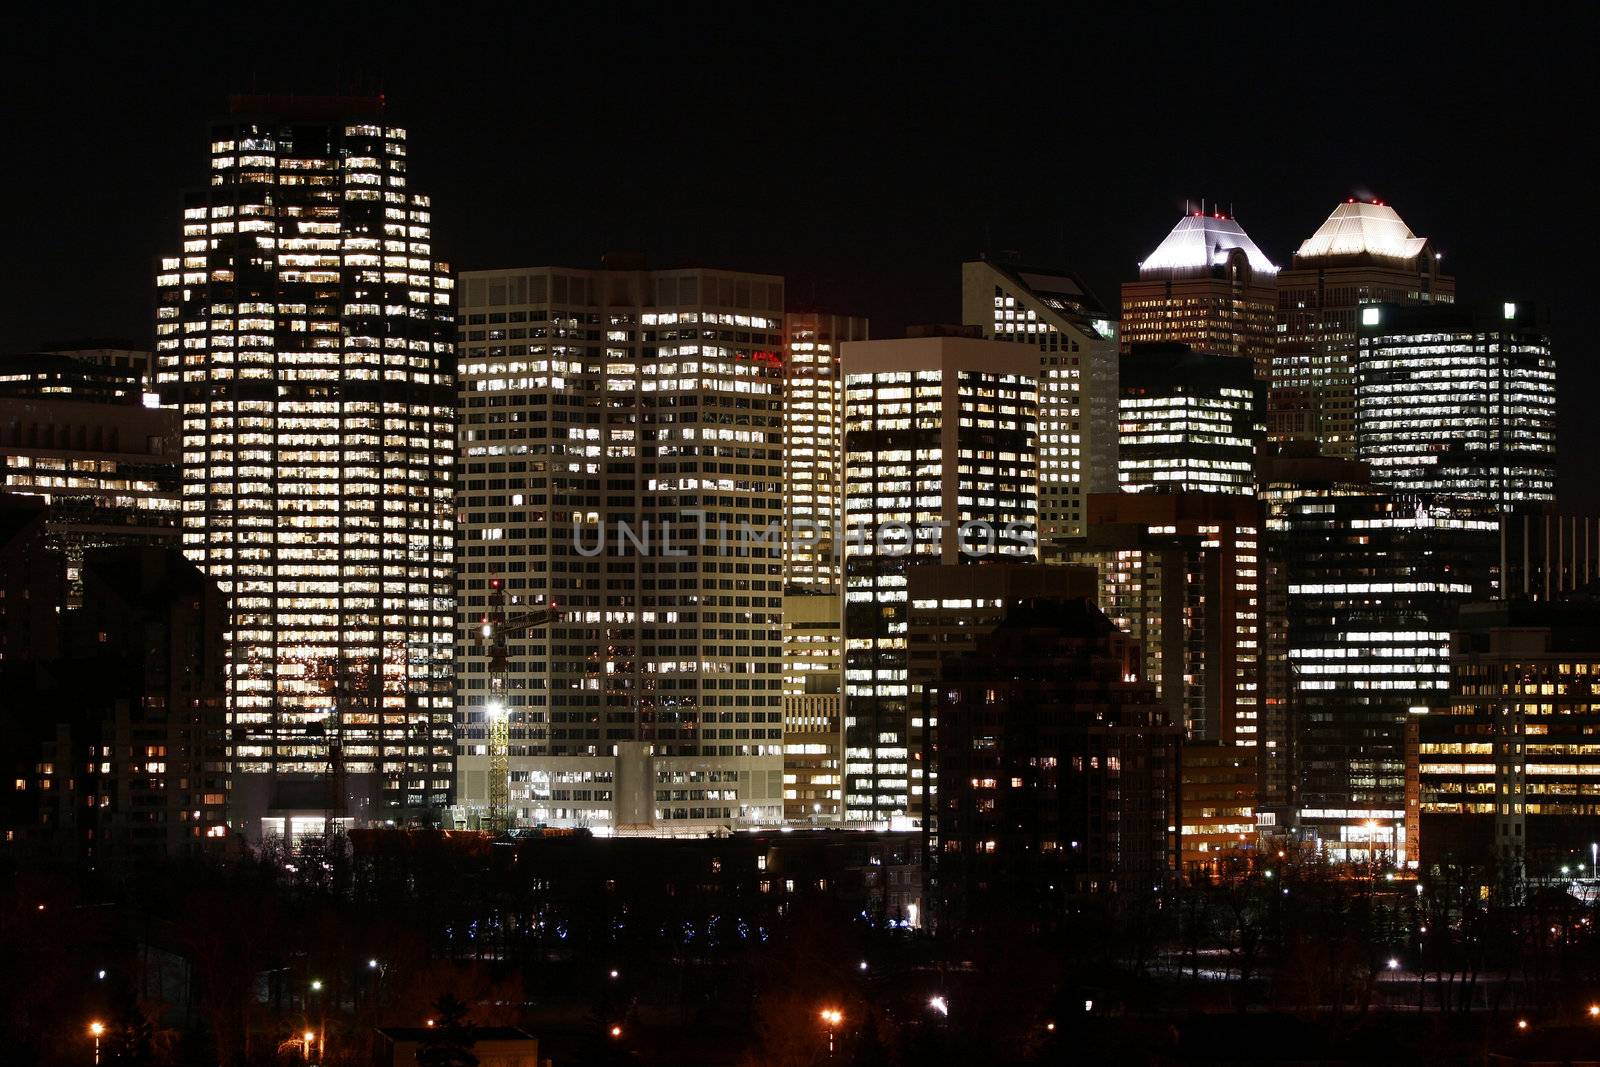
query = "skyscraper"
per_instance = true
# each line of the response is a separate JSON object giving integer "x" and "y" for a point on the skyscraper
{"x": 1061, "y": 781}
{"x": 305, "y": 335}
{"x": 1375, "y": 582}
{"x": 1363, "y": 254}
{"x": 941, "y": 466}
{"x": 1510, "y": 765}
{"x": 1288, "y": 473}
{"x": 621, "y": 458}
{"x": 1076, "y": 337}
{"x": 1206, "y": 285}
{"x": 1190, "y": 421}
{"x": 813, "y": 631}
{"x": 1180, "y": 573}
{"x": 1457, "y": 401}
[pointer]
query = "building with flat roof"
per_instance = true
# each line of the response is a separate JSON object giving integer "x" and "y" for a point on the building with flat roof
{"x": 1510, "y": 766}
{"x": 1374, "y": 585}
{"x": 941, "y": 467}
{"x": 305, "y": 337}
{"x": 1458, "y": 401}
{"x": 1179, "y": 572}
{"x": 813, "y": 604}
{"x": 1191, "y": 421}
{"x": 1056, "y": 781}
{"x": 620, "y": 459}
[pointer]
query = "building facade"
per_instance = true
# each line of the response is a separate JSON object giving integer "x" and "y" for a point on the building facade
{"x": 1288, "y": 473}
{"x": 1057, "y": 782}
{"x": 1180, "y": 573}
{"x": 1510, "y": 766}
{"x": 1208, "y": 286}
{"x": 813, "y": 605}
{"x": 621, "y": 460}
{"x": 941, "y": 466}
{"x": 1457, "y": 401}
{"x": 75, "y": 437}
{"x": 1054, "y": 312}
{"x": 117, "y": 709}
{"x": 1190, "y": 421}
{"x": 1546, "y": 553}
{"x": 305, "y": 336}
{"x": 1364, "y": 253}
{"x": 1375, "y": 582}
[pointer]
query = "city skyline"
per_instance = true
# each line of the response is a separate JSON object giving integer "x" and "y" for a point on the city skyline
{"x": 881, "y": 229}
{"x": 646, "y": 535}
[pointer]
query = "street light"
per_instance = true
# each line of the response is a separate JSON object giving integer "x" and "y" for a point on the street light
{"x": 940, "y": 1005}
{"x": 97, "y": 1028}
{"x": 831, "y": 1018}
{"x": 308, "y": 1037}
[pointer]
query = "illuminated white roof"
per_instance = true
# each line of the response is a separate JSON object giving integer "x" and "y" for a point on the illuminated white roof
{"x": 1199, "y": 242}
{"x": 1361, "y": 229}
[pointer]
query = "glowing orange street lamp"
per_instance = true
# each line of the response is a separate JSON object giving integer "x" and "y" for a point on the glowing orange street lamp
{"x": 616, "y": 1031}
{"x": 96, "y": 1029}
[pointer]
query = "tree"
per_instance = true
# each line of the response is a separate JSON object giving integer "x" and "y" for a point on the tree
{"x": 449, "y": 1041}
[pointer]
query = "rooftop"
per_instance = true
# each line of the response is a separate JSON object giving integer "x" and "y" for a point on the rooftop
{"x": 1201, "y": 241}
{"x": 1363, "y": 228}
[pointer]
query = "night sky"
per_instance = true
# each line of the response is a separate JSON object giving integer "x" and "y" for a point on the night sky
{"x": 861, "y": 150}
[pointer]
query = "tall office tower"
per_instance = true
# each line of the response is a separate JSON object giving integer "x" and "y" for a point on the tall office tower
{"x": 1374, "y": 586}
{"x": 813, "y": 445}
{"x": 1191, "y": 422}
{"x": 305, "y": 335}
{"x": 1180, "y": 573}
{"x": 1076, "y": 337}
{"x": 1363, "y": 254}
{"x": 1208, "y": 286}
{"x": 1509, "y": 768}
{"x": 813, "y": 631}
{"x": 1288, "y": 473}
{"x": 134, "y": 764}
{"x": 1545, "y": 553}
{"x": 952, "y": 605}
{"x": 74, "y": 435}
{"x": 941, "y": 466}
{"x": 1457, "y": 401}
{"x": 1061, "y": 780}
{"x": 621, "y": 457}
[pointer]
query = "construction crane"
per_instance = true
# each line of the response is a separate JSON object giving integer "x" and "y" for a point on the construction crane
{"x": 494, "y": 629}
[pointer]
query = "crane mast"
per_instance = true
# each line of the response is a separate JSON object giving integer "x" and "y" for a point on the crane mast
{"x": 494, "y": 629}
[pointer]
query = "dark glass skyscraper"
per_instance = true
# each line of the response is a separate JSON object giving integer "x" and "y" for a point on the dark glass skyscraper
{"x": 305, "y": 334}
{"x": 1374, "y": 585}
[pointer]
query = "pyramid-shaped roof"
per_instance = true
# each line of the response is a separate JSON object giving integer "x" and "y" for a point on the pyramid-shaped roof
{"x": 1199, "y": 242}
{"x": 1361, "y": 228}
